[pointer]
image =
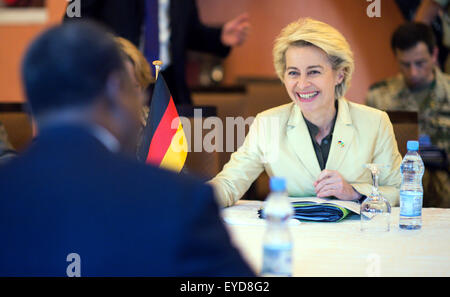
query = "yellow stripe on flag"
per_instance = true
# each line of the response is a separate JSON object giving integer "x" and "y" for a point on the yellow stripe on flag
{"x": 177, "y": 152}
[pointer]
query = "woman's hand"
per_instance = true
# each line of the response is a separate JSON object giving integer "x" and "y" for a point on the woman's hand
{"x": 331, "y": 183}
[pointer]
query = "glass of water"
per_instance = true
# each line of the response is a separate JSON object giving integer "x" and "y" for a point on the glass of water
{"x": 375, "y": 210}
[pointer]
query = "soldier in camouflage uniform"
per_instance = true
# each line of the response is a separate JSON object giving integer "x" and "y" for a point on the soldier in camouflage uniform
{"x": 420, "y": 86}
{"x": 432, "y": 103}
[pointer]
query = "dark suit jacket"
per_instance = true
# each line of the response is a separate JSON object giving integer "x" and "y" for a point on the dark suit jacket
{"x": 69, "y": 194}
{"x": 125, "y": 18}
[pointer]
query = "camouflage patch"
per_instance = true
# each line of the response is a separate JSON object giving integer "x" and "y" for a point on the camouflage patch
{"x": 379, "y": 84}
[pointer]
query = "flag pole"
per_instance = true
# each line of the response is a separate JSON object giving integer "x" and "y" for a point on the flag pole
{"x": 157, "y": 64}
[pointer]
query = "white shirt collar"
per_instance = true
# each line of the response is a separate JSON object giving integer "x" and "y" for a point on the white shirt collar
{"x": 106, "y": 138}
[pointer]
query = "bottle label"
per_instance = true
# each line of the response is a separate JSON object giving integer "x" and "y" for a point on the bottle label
{"x": 277, "y": 260}
{"x": 411, "y": 204}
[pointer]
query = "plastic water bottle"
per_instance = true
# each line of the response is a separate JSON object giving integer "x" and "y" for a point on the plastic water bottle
{"x": 411, "y": 190}
{"x": 277, "y": 250}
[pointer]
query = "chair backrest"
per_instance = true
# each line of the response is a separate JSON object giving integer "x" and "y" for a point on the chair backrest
{"x": 17, "y": 124}
{"x": 200, "y": 162}
{"x": 406, "y": 127}
{"x": 229, "y": 102}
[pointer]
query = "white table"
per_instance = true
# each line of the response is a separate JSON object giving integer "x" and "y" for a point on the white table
{"x": 341, "y": 249}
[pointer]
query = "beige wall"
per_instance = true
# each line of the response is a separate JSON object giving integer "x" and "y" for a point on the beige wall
{"x": 368, "y": 37}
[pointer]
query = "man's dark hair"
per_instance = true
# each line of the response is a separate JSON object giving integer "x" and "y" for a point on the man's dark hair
{"x": 68, "y": 66}
{"x": 410, "y": 34}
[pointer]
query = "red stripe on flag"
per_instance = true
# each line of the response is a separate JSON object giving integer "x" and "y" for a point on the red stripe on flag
{"x": 163, "y": 135}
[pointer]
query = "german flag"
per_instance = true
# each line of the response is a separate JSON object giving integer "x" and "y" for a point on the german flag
{"x": 163, "y": 143}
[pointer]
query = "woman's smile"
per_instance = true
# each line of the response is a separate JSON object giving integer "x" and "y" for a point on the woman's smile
{"x": 307, "y": 96}
{"x": 310, "y": 81}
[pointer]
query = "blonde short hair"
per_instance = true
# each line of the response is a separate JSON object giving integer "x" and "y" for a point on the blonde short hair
{"x": 306, "y": 31}
{"x": 142, "y": 68}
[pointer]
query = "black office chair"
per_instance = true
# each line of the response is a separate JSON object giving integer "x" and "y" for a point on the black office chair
{"x": 17, "y": 122}
{"x": 203, "y": 164}
{"x": 406, "y": 127}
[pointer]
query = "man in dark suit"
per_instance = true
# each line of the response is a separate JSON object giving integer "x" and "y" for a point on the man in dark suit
{"x": 74, "y": 203}
{"x": 129, "y": 19}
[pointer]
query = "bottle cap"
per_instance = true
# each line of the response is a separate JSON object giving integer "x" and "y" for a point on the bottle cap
{"x": 412, "y": 145}
{"x": 277, "y": 184}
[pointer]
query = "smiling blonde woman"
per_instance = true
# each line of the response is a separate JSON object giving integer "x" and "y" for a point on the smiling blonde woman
{"x": 320, "y": 141}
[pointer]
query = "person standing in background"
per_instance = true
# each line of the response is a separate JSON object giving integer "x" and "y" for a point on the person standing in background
{"x": 178, "y": 27}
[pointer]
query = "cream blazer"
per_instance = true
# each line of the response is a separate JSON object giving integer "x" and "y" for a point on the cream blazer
{"x": 278, "y": 142}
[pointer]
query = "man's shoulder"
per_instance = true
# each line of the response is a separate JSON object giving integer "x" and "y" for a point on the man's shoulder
{"x": 104, "y": 168}
{"x": 383, "y": 94}
{"x": 378, "y": 84}
{"x": 390, "y": 83}
{"x": 172, "y": 181}
{"x": 445, "y": 77}
{"x": 441, "y": 93}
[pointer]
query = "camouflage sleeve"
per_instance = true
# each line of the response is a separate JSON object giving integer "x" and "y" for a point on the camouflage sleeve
{"x": 439, "y": 127}
{"x": 374, "y": 94}
{"x": 370, "y": 99}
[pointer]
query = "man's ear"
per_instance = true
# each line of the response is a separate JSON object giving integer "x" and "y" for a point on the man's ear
{"x": 112, "y": 89}
{"x": 435, "y": 54}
